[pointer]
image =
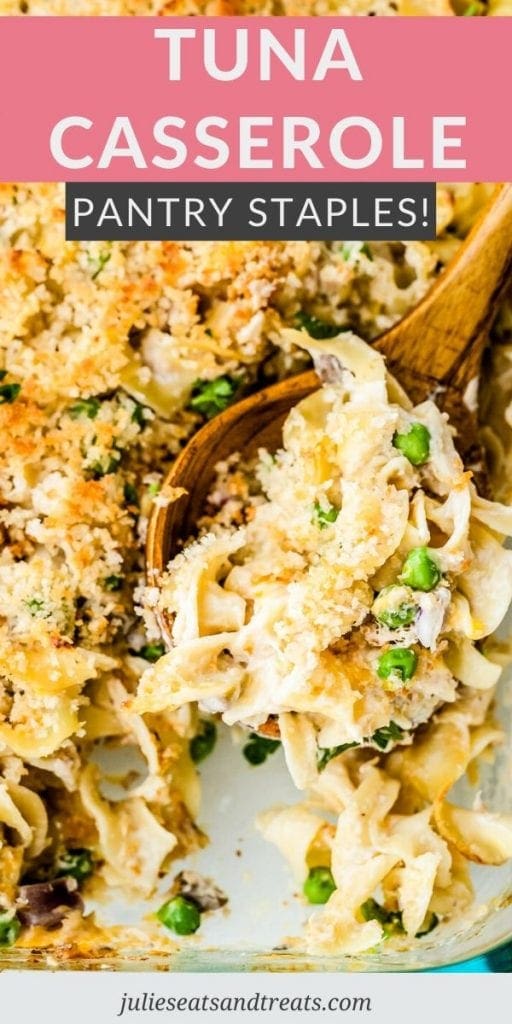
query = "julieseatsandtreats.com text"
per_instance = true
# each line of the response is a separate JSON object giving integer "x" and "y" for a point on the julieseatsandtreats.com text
{"x": 258, "y": 1002}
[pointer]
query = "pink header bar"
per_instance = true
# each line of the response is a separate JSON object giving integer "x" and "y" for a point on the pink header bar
{"x": 418, "y": 99}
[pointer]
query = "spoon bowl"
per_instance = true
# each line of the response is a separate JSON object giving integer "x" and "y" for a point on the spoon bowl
{"x": 254, "y": 423}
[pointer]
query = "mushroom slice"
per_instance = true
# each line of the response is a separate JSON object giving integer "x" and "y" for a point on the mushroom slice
{"x": 47, "y": 903}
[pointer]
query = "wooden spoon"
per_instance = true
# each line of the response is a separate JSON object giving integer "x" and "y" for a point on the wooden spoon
{"x": 435, "y": 351}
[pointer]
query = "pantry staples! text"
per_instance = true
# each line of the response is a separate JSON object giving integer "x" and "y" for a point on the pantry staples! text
{"x": 242, "y": 210}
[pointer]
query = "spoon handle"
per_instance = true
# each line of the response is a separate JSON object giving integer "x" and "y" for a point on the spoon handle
{"x": 442, "y": 339}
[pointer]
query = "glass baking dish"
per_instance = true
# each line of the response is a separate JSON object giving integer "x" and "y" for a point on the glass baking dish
{"x": 252, "y": 933}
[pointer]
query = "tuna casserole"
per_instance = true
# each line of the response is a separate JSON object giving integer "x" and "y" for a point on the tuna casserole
{"x": 112, "y": 356}
{"x": 343, "y": 616}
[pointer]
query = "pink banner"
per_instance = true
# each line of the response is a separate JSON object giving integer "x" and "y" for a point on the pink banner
{"x": 255, "y": 99}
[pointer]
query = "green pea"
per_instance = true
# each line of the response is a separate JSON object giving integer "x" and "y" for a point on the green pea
{"x": 398, "y": 662}
{"x": 9, "y": 929}
{"x": 319, "y": 885}
{"x": 394, "y": 618}
{"x": 152, "y": 652}
{"x": 399, "y": 615}
{"x": 415, "y": 444}
{"x": 420, "y": 571}
{"x": 180, "y": 916}
{"x": 202, "y": 744}
{"x": 76, "y": 863}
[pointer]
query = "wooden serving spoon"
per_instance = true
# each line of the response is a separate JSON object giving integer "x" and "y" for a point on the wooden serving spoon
{"x": 435, "y": 351}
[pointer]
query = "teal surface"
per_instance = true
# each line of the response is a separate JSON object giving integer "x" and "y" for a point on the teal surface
{"x": 497, "y": 962}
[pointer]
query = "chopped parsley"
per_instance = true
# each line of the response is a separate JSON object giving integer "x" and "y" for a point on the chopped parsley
{"x": 102, "y": 468}
{"x": 388, "y": 734}
{"x": 139, "y": 415}
{"x": 322, "y": 517}
{"x": 381, "y": 738}
{"x": 9, "y": 392}
{"x": 97, "y": 265}
{"x": 209, "y": 397}
{"x": 316, "y": 328}
{"x": 75, "y": 864}
{"x": 202, "y": 744}
{"x": 154, "y": 488}
{"x": 350, "y": 249}
{"x": 326, "y": 754}
{"x": 89, "y": 407}
{"x": 35, "y": 605}
{"x": 130, "y": 495}
{"x": 258, "y": 748}
{"x": 113, "y": 582}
